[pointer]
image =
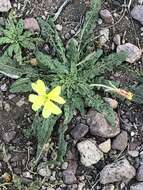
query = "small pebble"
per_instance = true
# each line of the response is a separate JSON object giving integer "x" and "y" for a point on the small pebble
{"x": 133, "y": 153}
{"x": 59, "y": 27}
{"x": 100, "y": 21}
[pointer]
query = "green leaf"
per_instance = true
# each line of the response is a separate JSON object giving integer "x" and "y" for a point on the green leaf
{"x": 72, "y": 51}
{"x": 91, "y": 16}
{"x": 46, "y": 62}
{"x": 49, "y": 32}
{"x": 105, "y": 65}
{"x": 21, "y": 85}
{"x": 138, "y": 95}
{"x": 20, "y": 27}
{"x": 5, "y": 40}
{"x": 99, "y": 105}
{"x": 91, "y": 58}
{"x": 62, "y": 146}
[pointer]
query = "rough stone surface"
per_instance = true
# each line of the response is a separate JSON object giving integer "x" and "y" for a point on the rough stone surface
{"x": 104, "y": 36}
{"x": 137, "y": 186}
{"x": 139, "y": 175}
{"x": 69, "y": 174}
{"x": 137, "y": 13}
{"x": 112, "y": 102}
{"x": 79, "y": 131}
{"x": 31, "y": 24}
{"x": 43, "y": 170}
{"x": 117, "y": 39}
{"x": 89, "y": 152}
{"x": 133, "y": 52}
{"x": 105, "y": 146}
{"x": 99, "y": 125}
{"x": 109, "y": 187}
{"x": 106, "y": 16}
{"x": 5, "y": 5}
{"x": 120, "y": 142}
{"x": 121, "y": 170}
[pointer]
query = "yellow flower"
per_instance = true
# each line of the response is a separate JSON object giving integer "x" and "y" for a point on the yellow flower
{"x": 46, "y": 99}
{"x": 127, "y": 94}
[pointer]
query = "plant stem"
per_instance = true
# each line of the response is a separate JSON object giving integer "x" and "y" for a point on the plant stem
{"x": 109, "y": 88}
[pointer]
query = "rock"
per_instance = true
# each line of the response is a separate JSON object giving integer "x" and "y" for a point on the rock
{"x": 59, "y": 27}
{"x": 3, "y": 87}
{"x": 5, "y": 5}
{"x": 112, "y": 102}
{"x": 79, "y": 131}
{"x": 140, "y": 2}
{"x": 104, "y": 36}
{"x": 105, "y": 146}
{"x": 133, "y": 52}
{"x": 137, "y": 186}
{"x": 100, "y": 21}
{"x": 43, "y": 170}
{"x": 109, "y": 187}
{"x": 64, "y": 165}
{"x": 120, "y": 171}
{"x": 69, "y": 177}
{"x": 117, "y": 39}
{"x": 27, "y": 175}
{"x": 120, "y": 142}
{"x": 89, "y": 152}
{"x": 137, "y": 13}
{"x": 69, "y": 174}
{"x": 9, "y": 136}
{"x": 107, "y": 16}
{"x": 139, "y": 175}
{"x": 31, "y": 24}
{"x": 133, "y": 153}
{"x": 99, "y": 125}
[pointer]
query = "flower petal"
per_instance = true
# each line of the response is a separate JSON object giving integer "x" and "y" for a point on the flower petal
{"x": 54, "y": 95}
{"x": 46, "y": 112}
{"x": 32, "y": 98}
{"x": 39, "y": 87}
{"x": 38, "y": 101}
{"x": 59, "y": 100}
{"x": 54, "y": 109}
{"x": 55, "y": 92}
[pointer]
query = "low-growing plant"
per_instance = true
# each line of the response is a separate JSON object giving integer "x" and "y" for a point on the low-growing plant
{"x": 79, "y": 70}
{"x": 16, "y": 39}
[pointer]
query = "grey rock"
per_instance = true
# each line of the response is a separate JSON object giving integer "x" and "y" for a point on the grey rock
{"x": 69, "y": 177}
{"x": 5, "y": 5}
{"x": 140, "y": 2}
{"x": 3, "y": 87}
{"x": 137, "y": 186}
{"x": 59, "y": 27}
{"x": 69, "y": 174}
{"x": 31, "y": 24}
{"x": 133, "y": 52}
{"x": 79, "y": 131}
{"x": 9, "y": 136}
{"x": 120, "y": 142}
{"x": 106, "y": 16}
{"x": 112, "y": 102}
{"x": 43, "y": 170}
{"x": 117, "y": 39}
{"x": 99, "y": 125}
{"x": 105, "y": 146}
{"x": 137, "y": 13}
{"x": 133, "y": 153}
{"x": 89, "y": 152}
{"x": 120, "y": 171}
{"x": 104, "y": 36}
{"x": 139, "y": 175}
{"x": 109, "y": 187}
